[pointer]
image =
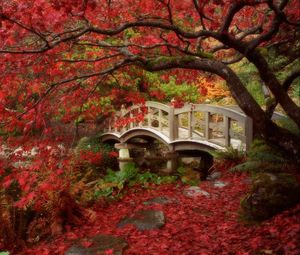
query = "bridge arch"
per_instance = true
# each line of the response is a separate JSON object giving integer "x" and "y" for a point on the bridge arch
{"x": 144, "y": 133}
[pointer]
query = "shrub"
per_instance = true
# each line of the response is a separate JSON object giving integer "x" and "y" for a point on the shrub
{"x": 39, "y": 198}
{"x": 188, "y": 175}
{"x": 113, "y": 183}
{"x": 262, "y": 158}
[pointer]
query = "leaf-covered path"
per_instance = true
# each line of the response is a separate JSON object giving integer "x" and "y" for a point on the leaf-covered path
{"x": 194, "y": 225}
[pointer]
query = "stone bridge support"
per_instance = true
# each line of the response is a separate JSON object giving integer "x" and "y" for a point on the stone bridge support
{"x": 125, "y": 157}
{"x": 124, "y": 154}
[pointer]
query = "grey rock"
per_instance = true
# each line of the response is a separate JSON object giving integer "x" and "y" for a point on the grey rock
{"x": 145, "y": 220}
{"x": 214, "y": 176}
{"x": 270, "y": 194}
{"x": 219, "y": 184}
{"x": 160, "y": 200}
{"x": 76, "y": 250}
{"x": 100, "y": 244}
{"x": 195, "y": 191}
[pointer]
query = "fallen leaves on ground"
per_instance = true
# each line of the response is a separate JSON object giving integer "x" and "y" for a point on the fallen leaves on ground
{"x": 199, "y": 225}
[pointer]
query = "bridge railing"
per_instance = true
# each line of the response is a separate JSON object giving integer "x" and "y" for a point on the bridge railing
{"x": 219, "y": 125}
{"x": 151, "y": 115}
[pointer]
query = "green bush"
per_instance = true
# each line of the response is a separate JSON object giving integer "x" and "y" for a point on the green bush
{"x": 188, "y": 175}
{"x": 113, "y": 183}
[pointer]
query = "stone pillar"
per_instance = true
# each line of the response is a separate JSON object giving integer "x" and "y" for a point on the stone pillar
{"x": 124, "y": 155}
{"x": 172, "y": 162}
{"x": 206, "y": 163}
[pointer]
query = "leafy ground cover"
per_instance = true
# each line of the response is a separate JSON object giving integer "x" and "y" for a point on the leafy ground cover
{"x": 194, "y": 225}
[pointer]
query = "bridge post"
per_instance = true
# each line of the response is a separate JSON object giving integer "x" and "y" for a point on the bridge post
{"x": 207, "y": 133}
{"x": 122, "y": 111}
{"x": 172, "y": 124}
{"x": 172, "y": 162}
{"x": 160, "y": 126}
{"x": 124, "y": 155}
{"x": 190, "y": 121}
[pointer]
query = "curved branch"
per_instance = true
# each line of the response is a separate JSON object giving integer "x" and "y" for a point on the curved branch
{"x": 234, "y": 8}
{"x": 278, "y": 19}
{"x": 279, "y": 12}
{"x": 289, "y": 80}
{"x": 89, "y": 60}
{"x": 238, "y": 58}
{"x": 286, "y": 85}
{"x": 274, "y": 85}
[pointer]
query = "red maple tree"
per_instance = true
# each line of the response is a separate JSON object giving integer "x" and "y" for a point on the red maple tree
{"x": 71, "y": 59}
{"x": 56, "y": 55}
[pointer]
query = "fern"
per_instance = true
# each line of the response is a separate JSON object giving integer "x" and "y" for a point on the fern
{"x": 230, "y": 154}
{"x": 261, "y": 158}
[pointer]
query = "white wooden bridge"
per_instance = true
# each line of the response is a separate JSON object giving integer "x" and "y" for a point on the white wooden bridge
{"x": 194, "y": 126}
{"x": 194, "y": 129}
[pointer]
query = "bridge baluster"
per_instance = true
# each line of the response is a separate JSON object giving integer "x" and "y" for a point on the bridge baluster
{"x": 207, "y": 133}
{"x": 171, "y": 125}
{"x": 160, "y": 120}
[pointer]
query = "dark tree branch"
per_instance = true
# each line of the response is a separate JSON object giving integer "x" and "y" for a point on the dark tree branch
{"x": 234, "y": 8}
{"x": 89, "y": 60}
{"x": 277, "y": 21}
{"x": 234, "y": 60}
{"x": 286, "y": 85}
{"x": 279, "y": 12}
{"x": 289, "y": 80}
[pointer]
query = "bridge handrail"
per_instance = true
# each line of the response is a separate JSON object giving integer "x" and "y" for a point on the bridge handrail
{"x": 152, "y": 104}
{"x": 171, "y": 116}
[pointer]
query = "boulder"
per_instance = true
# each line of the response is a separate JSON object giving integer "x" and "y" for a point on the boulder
{"x": 145, "y": 220}
{"x": 270, "y": 194}
{"x": 213, "y": 176}
{"x": 161, "y": 200}
{"x": 195, "y": 191}
{"x": 219, "y": 184}
{"x": 99, "y": 245}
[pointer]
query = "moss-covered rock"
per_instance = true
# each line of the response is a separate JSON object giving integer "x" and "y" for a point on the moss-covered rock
{"x": 270, "y": 194}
